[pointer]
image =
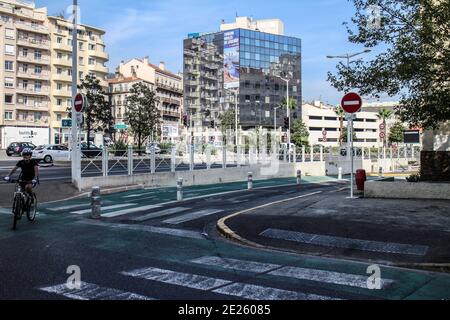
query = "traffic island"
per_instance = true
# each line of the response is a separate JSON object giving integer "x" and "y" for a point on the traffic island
{"x": 407, "y": 190}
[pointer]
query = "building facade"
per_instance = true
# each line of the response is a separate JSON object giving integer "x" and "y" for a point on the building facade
{"x": 36, "y": 60}
{"x": 246, "y": 61}
{"x": 168, "y": 87}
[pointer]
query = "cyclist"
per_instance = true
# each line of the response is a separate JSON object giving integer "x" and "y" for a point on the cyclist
{"x": 29, "y": 175}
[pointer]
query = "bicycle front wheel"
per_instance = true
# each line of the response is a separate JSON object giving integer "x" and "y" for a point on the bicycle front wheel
{"x": 17, "y": 210}
{"x": 32, "y": 210}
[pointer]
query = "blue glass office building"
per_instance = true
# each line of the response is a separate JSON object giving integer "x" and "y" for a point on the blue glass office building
{"x": 255, "y": 63}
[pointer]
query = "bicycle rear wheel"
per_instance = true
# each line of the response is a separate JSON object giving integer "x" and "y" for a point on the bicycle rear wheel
{"x": 32, "y": 210}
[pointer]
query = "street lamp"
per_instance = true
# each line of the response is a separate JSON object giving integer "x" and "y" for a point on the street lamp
{"x": 288, "y": 110}
{"x": 349, "y": 56}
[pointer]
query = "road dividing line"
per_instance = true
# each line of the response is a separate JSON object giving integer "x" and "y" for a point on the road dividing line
{"x": 160, "y": 214}
{"x": 117, "y": 206}
{"x": 253, "y": 292}
{"x": 346, "y": 243}
{"x": 179, "y": 279}
{"x": 192, "y": 216}
{"x": 91, "y": 291}
{"x": 322, "y": 276}
{"x": 239, "y": 265}
{"x": 128, "y": 211}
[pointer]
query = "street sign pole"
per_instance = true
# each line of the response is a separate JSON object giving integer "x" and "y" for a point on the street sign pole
{"x": 75, "y": 155}
{"x": 352, "y": 191}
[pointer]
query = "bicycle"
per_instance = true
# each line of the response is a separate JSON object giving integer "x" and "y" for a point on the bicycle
{"x": 23, "y": 203}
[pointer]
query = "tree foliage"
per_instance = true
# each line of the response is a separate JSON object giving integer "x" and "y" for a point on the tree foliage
{"x": 344, "y": 135}
{"x": 415, "y": 60}
{"x": 299, "y": 134}
{"x": 340, "y": 112}
{"x": 228, "y": 120}
{"x": 396, "y": 133}
{"x": 97, "y": 114}
{"x": 142, "y": 114}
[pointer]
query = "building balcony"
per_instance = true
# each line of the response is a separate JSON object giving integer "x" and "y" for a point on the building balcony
{"x": 171, "y": 114}
{"x": 98, "y": 54}
{"x": 62, "y": 93}
{"x": 59, "y": 109}
{"x": 33, "y": 43}
{"x": 170, "y": 101}
{"x": 45, "y": 76}
{"x": 62, "y": 47}
{"x": 32, "y": 91}
{"x": 62, "y": 77}
{"x": 62, "y": 62}
{"x": 22, "y": 25}
{"x": 44, "y": 60}
{"x": 169, "y": 88}
{"x": 98, "y": 68}
{"x": 43, "y": 106}
{"x": 33, "y": 123}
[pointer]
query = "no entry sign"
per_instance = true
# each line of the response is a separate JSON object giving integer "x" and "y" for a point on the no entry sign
{"x": 351, "y": 103}
{"x": 79, "y": 103}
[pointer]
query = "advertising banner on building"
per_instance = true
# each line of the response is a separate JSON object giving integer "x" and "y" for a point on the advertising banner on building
{"x": 231, "y": 59}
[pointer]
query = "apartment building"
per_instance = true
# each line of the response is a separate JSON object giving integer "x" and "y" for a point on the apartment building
{"x": 168, "y": 87}
{"x": 36, "y": 68}
{"x": 24, "y": 73}
{"x": 92, "y": 59}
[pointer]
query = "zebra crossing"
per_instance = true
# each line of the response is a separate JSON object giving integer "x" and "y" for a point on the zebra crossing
{"x": 238, "y": 286}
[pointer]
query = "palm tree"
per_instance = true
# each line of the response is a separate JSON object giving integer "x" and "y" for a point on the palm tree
{"x": 384, "y": 115}
{"x": 292, "y": 103}
{"x": 341, "y": 114}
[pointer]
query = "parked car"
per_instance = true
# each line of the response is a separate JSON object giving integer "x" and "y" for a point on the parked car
{"x": 50, "y": 153}
{"x": 92, "y": 152}
{"x": 16, "y": 148}
{"x": 148, "y": 148}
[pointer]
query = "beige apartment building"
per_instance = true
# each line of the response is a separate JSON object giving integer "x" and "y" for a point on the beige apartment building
{"x": 168, "y": 86}
{"x": 35, "y": 55}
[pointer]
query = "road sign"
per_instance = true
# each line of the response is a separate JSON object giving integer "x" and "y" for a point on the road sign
{"x": 67, "y": 123}
{"x": 382, "y": 126}
{"x": 79, "y": 103}
{"x": 121, "y": 126}
{"x": 80, "y": 119}
{"x": 324, "y": 133}
{"x": 382, "y": 135}
{"x": 351, "y": 103}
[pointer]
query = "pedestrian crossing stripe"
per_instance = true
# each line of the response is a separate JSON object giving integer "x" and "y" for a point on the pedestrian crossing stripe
{"x": 129, "y": 211}
{"x": 220, "y": 286}
{"x": 89, "y": 291}
{"x": 347, "y": 243}
{"x": 117, "y": 206}
{"x": 315, "y": 275}
{"x": 160, "y": 214}
{"x": 71, "y": 207}
{"x": 192, "y": 216}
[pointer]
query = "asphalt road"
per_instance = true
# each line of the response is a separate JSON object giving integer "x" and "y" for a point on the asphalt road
{"x": 146, "y": 246}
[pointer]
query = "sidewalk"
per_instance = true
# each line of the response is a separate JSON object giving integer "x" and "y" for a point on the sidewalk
{"x": 401, "y": 232}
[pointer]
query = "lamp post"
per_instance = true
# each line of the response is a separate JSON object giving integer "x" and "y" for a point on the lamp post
{"x": 75, "y": 154}
{"x": 349, "y": 56}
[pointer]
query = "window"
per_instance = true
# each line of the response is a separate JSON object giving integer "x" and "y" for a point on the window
{"x": 92, "y": 47}
{"x": 59, "y": 40}
{"x": 9, "y": 34}
{"x": 9, "y": 98}
{"x": 91, "y": 61}
{"x": 9, "y": 65}
{"x": 315, "y": 118}
{"x": 37, "y": 55}
{"x": 38, "y": 86}
{"x": 330, "y": 118}
{"x": 59, "y": 86}
{"x": 58, "y": 117}
{"x": 8, "y": 115}
{"x": 9, "y": 82}
{"x": 37, "y": 116}
{"x": 38, "y": 69}
{"x": 59, "y": 71}
{"x": 59, "y": 55}
{"x": 9, "y": 49}
{"x": 59, "y": 102}
{"x": 81, "y": 46}
{"x": 24, "y": 68}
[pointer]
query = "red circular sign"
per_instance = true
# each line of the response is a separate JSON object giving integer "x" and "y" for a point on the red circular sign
{"x": 382, "y": 135}
{"x": 79, "y": 102}
{"x": 382, "y": 126}
{"x": 351, "y": 103}
{"x": 324, "y": 133}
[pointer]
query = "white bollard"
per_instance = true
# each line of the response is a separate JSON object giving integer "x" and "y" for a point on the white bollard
{"x": 173, "y": 159}
{"x": 96, "y": 203}
{"x": 299, "y": 176}
{"x": 250, "y": 180}
{"x": 340, "y": 174}
{"x": 180, "y": 190}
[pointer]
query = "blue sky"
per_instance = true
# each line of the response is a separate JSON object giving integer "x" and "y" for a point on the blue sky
{"x": 137, "y": 28}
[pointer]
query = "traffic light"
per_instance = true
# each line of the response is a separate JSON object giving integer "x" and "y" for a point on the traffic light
{"x": 286, "y": 123}
{"x": 185, "y": 121}
{"x": 213, "y": 124}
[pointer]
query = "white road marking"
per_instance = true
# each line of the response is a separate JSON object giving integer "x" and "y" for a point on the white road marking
{"x": 177, "y": 278}
{"x": 91, "y": 291}
{"x": 192, "y": 216}
{"x": 139, "y": 195}
{"x": 128, "y": 211}
{"x": 233, "y": 264}
{"x": 352, "y": 103}
{"x": 71, "y": 207}
{"x": 254, "y": 292}
{"x": 322, "y": 276}
{"x": 347, "y": 243}
{"x": 117, "y": 206}
{"x": 5, "y": 211}
{"x": 160, "y": 214}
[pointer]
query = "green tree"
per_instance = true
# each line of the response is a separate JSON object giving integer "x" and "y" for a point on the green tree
{"x": 97, "y": 114}
{"x": 142, "y": 114}
{"x": 396, "y": 134}
{"x": 292, "y": 103}
{"x": 344, "y": 135}
{"x": 299, "y": 134}
{"x": 414, "y": 58}
{"x": 341, "y": 114}
{"x": 384, "y": 115}
{"x": 228, "y": 121}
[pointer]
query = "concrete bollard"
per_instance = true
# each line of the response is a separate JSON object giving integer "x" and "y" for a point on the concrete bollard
{"x": 299, "y": 176}
{"x": 340, "y": 174}
{"x": 180, "y": 190}
{"x": 250, "y": 180}
{"x": 96, "y": 203}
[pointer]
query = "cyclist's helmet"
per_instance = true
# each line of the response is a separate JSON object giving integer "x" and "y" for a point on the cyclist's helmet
{"x": 27, "y": 152}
